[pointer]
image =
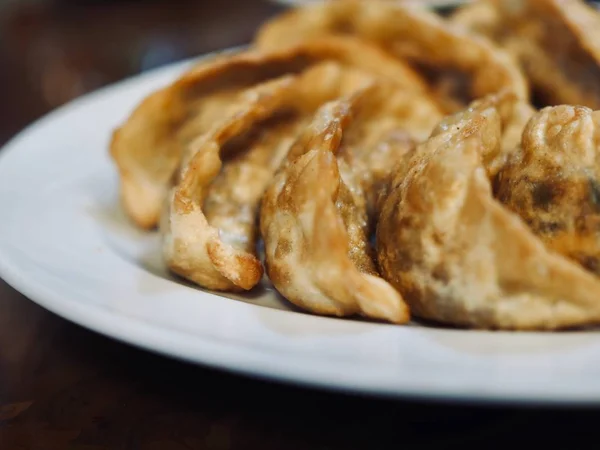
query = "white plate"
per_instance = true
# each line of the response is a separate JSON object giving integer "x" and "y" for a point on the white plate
{"x": 65, "y": 243}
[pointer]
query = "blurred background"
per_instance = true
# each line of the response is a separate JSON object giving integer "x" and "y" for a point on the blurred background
{"x": 52, "y": 51}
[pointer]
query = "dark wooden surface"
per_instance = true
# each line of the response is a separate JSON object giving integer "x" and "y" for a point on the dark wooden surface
{"x": 63, "y": 387}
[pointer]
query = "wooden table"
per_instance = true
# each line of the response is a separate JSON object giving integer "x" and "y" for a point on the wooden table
{"x": 63, "y": 387}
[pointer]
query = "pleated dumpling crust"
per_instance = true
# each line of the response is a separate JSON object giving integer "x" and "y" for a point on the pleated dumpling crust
{"x": 513, "y": 115}
{"x": 459, "y": 256}
{"x": 553, "y": 183}
{"x": 463, "y": 66}
{"x": 149, "y": 147}
{"x": 557, "y": 43}
{"x": 209, "y": 227}
{"x": 317, "y": 214}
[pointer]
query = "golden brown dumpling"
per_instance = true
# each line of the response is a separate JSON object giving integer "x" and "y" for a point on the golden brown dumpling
{"x": 557, "y": 43}
{"x": 462, "y": 66}
{"x": 458, "y": 256}
{"x": 479, "y": 16}
{"x": 210, "y": 226}
{"x": 316, "y": 214}
{"x": 553, "y": 182}
{"x": 513, "y": 114}
{"x": 208, "y": 230}
{"x": 148, "y": 148}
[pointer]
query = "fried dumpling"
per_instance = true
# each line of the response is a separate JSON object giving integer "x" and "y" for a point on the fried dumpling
{"x": 210, "y": 225}
{"x": 553, "y": 183}
{"x": 222, "y": 256}
{"x": 513, "y": 114}
{"x": 479, "y": 16}
{"x": 557, "y": 43}
{"x": 462, "y": 66}
{"x": 458, "y": 256}
{"x": 316, "y": 215}
{"x": 148, "y": 148}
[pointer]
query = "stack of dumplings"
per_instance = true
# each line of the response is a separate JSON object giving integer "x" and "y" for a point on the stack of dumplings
{"x": 393, "y": 163}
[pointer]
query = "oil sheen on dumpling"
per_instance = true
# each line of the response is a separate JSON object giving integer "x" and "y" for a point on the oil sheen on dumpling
{"x": 461, "y": 66}
{"x": 553, "y": 183}
{"x": 459, "y": 256}
{"x": 210, "y": 226}
{"x": 318, "y": 213}
{"x": 151, "y": 145}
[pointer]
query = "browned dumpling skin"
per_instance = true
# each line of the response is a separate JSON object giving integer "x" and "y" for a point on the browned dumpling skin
{"x": 458, "y": 256}
{"x": 210, "y": 228}
{"x": 462, "y": 65}
{"x": 316, "y": 216}
{"x": 220, "y": 254}
{"x": 513, "y": 114}
{"x": 479, "y": 16}
{"x": 557, "y": 43}
{"x": 314, "y": 225}
{"x": 553, "y": 183}
{"x": 149, "y": 147}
